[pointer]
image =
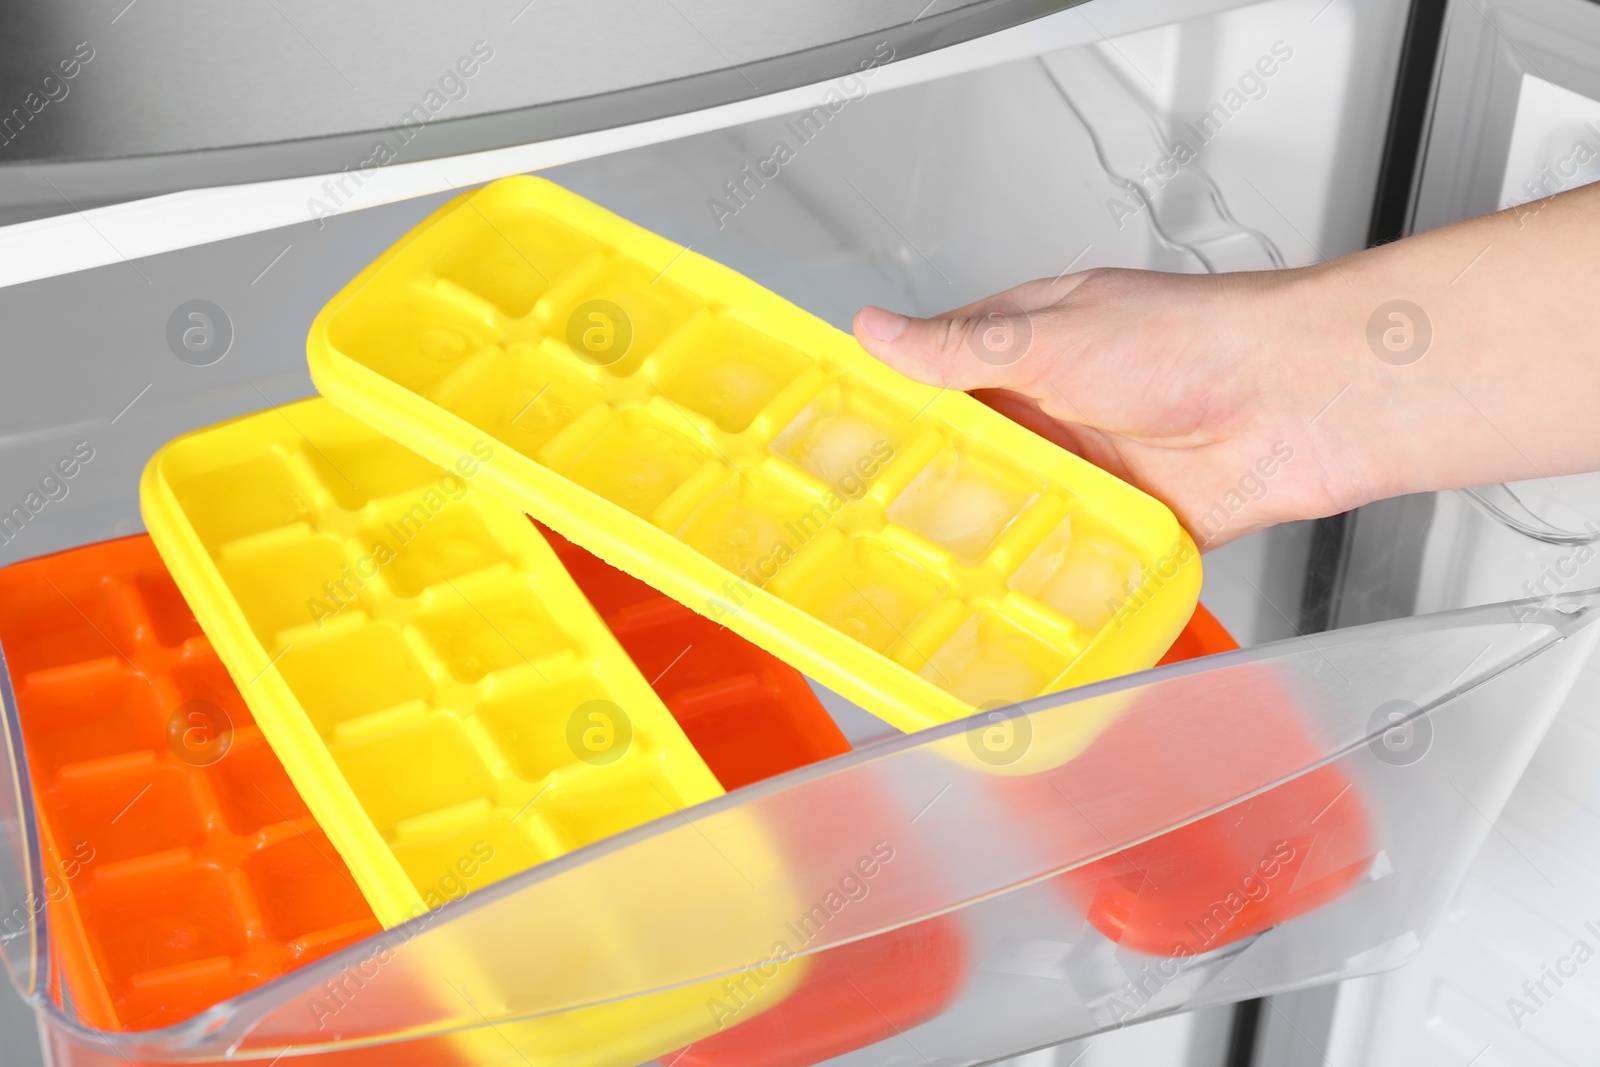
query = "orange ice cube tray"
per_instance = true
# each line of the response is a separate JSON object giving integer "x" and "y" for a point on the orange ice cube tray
{"x": 183, "y": 868}
{"x": 446, "y": 701}
{"x": 1178, "y": 894}
{"x": 748, "y": 714}
{"x": 906, "y": 546}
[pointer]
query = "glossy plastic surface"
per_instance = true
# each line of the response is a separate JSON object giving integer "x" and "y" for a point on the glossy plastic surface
{"x": 447, "y": 702}
{"x": 922, "y": 832}
{"x": 854, "y": 997}
{"x": 1235, "y": 872}
{"x": 182, "y": 867}
{"x": 906, "y": 546}
{"x": 1298, "y": 845}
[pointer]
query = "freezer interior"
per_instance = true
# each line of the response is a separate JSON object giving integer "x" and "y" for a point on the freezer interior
{"x": 1244, "y": 139}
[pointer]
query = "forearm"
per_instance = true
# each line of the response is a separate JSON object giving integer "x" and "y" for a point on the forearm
{"x": 1185, "y": 385}
{"x": 1508, "y": 385}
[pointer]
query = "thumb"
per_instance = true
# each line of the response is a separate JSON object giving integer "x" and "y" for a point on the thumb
{"x": 983, "y": 346}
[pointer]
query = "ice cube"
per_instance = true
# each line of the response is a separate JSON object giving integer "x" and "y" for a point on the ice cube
{"x": 839, "y": 447}
{"x": 873, "y": 614}
{"x": 1086, "y": 578}
{"x": 979, "y": 666}
{"x": 958, "y": 505}
{"x": 738, "y": 534}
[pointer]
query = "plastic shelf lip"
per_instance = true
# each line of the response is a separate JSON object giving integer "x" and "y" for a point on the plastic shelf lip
{"x": 1391, "y": 659}
{"x": 911, "y": 549}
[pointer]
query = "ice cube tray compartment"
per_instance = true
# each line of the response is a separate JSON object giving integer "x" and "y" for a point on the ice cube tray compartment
{"x": 416, "y": 654}
{"x": 751, "y": 461}
{"x": 182, "y": 873}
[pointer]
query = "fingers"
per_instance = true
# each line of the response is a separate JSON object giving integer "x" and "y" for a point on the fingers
{"x": 989, "y": 344}
{"x": 935, "y": 351}
{"x": 980, "y": 350}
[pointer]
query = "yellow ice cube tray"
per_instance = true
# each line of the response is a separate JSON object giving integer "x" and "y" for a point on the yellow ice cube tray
{"x": 907, "y": 546}
{"x": 447, "y": 702}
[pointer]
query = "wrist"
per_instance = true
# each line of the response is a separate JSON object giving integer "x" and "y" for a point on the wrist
{"x": 1351, "y": 355}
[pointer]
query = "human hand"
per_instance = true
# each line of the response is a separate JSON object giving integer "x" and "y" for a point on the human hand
{"x": 1457, "y": 357}
{"x": 1196, "y": 389}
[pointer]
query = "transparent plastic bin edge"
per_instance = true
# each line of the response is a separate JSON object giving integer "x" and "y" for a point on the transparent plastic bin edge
{"x": 1473, "y": 692}
{"x": 23, "y": 895}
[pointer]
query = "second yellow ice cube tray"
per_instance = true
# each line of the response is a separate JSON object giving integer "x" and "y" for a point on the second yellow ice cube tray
{"x": 905, "y": 545}
{"x": 449, "y": 705}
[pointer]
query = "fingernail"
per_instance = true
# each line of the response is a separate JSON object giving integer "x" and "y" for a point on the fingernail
{"x": 884, "y": 325}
